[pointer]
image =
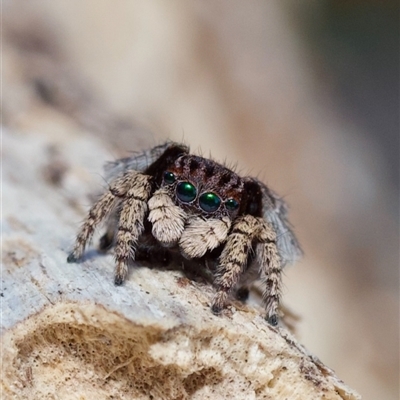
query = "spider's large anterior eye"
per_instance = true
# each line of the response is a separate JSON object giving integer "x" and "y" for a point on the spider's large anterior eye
{"x": 169, "y": 177}
{"x": 186, "y": 191}
{"x": 209, "y": 202}
{"x": 231, "y": 204}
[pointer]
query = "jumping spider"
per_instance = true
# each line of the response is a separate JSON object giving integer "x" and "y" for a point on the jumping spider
{"x": 168, "y": 201}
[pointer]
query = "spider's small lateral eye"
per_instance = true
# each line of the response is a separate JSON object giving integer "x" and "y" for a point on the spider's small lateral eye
{"x": 231, "y": 204}
{"x": 169, "y": 177}
{"x": 209, "y": 202}
{"x": 186, "y": 192}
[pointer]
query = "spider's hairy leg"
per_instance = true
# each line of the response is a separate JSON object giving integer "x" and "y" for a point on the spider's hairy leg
{"x": 233, "y": 259}
{"x": 202, "y": 235}
{"x": 269, "y": 263}
{"x": 168, "y": 219}
{"x": 98, "y": 212}
{"x": 130, "y": 226}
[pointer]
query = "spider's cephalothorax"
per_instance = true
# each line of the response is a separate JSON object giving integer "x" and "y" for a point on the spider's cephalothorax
{"x": 168, "y": 200}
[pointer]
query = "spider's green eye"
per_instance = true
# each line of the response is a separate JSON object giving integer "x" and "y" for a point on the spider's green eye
{"x": 209, "y": 202}
{"x": 231, "y": 204}
{"x": 169, "y": 177}
{"x": 186, "y": 192}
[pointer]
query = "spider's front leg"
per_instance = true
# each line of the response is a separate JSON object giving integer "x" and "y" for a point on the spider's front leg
{"x": 130, "y": 226}
{"x": 233, "y": 259}
{"x": 100, "y": 209}
{"x": 132, "y": 190}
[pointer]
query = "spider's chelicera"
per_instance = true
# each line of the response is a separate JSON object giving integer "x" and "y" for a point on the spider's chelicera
{"x": 168, "y": 201}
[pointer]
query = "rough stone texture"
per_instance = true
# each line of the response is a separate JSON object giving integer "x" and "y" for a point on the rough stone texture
{"x": 69, "y": 333}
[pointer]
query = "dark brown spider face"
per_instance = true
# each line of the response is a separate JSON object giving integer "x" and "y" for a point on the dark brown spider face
{"x": 203, "y": 186}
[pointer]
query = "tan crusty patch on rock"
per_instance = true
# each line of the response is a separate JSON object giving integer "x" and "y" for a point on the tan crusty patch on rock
{"x": 83, "y": 351}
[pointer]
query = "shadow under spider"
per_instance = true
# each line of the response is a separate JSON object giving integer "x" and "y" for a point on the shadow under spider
{"x": 150, "y": 254}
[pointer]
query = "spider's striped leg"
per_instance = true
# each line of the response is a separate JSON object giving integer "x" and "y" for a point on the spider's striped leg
{"x": 98, "y": 212}
{"x": 130, "y": 225}
{"x": 233, "y": 259}
{"x": 270, "y": 271}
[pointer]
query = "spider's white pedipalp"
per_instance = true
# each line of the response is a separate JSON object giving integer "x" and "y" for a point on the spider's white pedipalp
{"x": 167, "y": 218}
{"x": 202, "y": 235}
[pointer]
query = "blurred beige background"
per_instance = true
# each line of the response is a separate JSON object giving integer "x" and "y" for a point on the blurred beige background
{"x": 304, "y": 96}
